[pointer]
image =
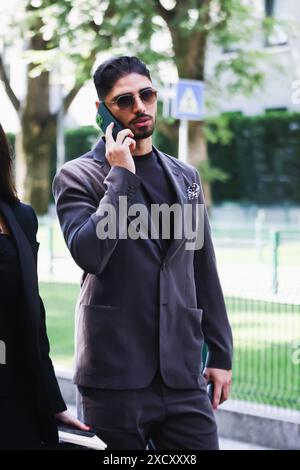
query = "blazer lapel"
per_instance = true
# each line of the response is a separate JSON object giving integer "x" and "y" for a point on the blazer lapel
{"x": 176, "y": 178}
{"x": 27, "y": 264}
{"x": 99, "y": 155}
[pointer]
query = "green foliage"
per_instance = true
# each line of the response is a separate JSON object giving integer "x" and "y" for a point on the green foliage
{"x": 69, "y": 36}
{"x": 255, "y": 160}
{"x": 244, "y": 67}
{"x": 11, "y": 139}
{"x": 209, "y": 174}
{"x": 161, "y": 141}
{"x": 233, "y": 23}
{"x": 261, "y": 160}
{"x": 79, "y": 141}
{"x": 217, "y": 129}
{"x": 76, "y": 32}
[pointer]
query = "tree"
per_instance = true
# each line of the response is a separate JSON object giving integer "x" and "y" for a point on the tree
{"x": 43, "y": 25}
{"x": 87, "y": 27}
{"x": 192, "y": 26}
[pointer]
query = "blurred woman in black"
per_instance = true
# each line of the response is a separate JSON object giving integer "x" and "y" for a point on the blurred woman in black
{"x": 30, "y": 400}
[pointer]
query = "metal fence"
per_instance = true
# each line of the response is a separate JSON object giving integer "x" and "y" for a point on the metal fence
{"x": 266, "y": 366}
{"x": 259, "y": 268}
{"x": 266, "y": 351}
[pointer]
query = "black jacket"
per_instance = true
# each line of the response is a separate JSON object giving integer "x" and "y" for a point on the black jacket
{"x": 23, "y": 225}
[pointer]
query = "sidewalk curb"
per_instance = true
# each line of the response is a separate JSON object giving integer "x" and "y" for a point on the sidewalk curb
{"x": 265, "y": 425}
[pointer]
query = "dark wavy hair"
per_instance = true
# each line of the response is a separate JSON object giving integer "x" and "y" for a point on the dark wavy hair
{"x": 8, "y": 191}
{"x": 110, "y": 71}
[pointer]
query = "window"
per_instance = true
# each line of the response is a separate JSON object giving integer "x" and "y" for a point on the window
{"x": 269, "y": 8}
{"x": 275, "y": 34}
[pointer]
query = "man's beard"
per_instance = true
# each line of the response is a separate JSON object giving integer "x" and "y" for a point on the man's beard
{"x": 147, "y": 131}
{"x": 139, "y": 135}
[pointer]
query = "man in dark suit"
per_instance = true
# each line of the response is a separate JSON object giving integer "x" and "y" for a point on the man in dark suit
{"x": 146, "y": 304}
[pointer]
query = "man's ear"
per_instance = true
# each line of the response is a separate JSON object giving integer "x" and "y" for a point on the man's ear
{"x": 97, "y": 103}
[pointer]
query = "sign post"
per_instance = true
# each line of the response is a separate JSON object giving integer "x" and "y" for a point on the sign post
{"x": 187, "y": 105}
{"x": 183, "y": 143}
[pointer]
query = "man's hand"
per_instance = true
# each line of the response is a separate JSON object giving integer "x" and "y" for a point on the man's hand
{"x": 68, "y": 419}
{"x": 118, "y": 152}
{"x": 222, "y": 381}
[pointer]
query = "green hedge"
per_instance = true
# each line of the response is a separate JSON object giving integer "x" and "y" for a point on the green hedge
{"x": 79, "y": 141}
{"x": 262, "y": 160}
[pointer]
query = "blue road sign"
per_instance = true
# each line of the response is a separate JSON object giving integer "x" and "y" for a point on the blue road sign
{"x": 188, "y": 102}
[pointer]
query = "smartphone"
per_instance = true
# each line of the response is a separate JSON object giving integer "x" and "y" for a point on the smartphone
{"x": 63, "y": 427}
{"x": 104, "y": 117}
{"x": 210, "y": 391}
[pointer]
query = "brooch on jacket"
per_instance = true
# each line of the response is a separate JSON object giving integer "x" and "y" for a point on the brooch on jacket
{"x": 193, "y": 191}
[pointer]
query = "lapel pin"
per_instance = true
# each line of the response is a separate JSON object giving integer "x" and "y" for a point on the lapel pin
{"x": 193, "y": 191}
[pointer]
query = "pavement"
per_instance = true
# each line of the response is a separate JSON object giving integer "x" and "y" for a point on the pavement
{"x": 229, "y": 444}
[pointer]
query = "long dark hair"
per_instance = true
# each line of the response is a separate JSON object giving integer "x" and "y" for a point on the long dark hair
{"x": 7, "y": 186}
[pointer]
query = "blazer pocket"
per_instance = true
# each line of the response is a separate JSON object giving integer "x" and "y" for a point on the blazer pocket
{"x": 194, "y": 340}
{"x": 101, "y": 338}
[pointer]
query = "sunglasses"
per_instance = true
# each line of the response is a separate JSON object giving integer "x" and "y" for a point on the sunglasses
{"x": 126, "y": 101}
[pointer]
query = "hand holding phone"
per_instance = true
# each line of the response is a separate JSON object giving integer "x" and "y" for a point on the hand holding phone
{"x": 210, "y": 391}
{"x": 119, "y": 151}
{"x": 119, "y": 141}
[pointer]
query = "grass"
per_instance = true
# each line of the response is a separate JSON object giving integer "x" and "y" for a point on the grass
{"x": 266, "y": 338}
{"x": 267, "y": 347}
{"x": 60, "y": 300}
{"x": 289, "y": 252}
{"x": 46, "y": 237}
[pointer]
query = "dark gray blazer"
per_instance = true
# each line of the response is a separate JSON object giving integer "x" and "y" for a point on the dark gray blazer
{"x": 137, "y": 310}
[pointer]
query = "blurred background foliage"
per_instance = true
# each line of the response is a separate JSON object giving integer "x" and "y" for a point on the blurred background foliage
{"x": 66, "y": 37}
{"x": 256, "y": 161}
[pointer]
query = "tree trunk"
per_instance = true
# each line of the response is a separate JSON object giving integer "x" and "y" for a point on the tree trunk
{"x": 189, "y": 55}
{"x": 38, "y": 136}
{"x": 37, "y": 141}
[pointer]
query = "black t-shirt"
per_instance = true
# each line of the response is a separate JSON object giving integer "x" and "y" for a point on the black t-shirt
{"x": 157, "y": 188}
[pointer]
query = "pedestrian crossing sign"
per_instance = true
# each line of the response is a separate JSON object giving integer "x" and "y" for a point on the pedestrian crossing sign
{"x": 188, "y": 101}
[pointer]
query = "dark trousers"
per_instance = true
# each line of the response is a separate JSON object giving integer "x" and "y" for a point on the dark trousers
{"x": 158, "y": 416}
